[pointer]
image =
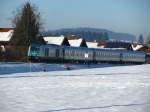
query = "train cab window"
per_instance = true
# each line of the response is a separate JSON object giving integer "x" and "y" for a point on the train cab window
{"x": 35, "y": 49}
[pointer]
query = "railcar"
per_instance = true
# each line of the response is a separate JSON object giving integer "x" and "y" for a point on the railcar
{"x": 48, "y": 53}
{"x": 107, "y": 55}
{"x": 133, "y": 57}
{"x": 78, "y": 54}
{"x": 75, "y": 54}
{"x": 51, "y": 53}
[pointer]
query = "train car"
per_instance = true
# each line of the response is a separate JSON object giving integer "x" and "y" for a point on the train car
{"x": 45, "y": 53}
{"x": 107, "y": 55}
{"x": 133, "y": 57}
{"x": 51, "y": 53}
{"x": 78, "y": 54}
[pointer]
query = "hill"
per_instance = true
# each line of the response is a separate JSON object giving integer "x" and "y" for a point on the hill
{"x": 91, "y": 34}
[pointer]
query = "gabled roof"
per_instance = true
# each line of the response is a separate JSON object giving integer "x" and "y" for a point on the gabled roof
{"x": 119, "y": 44}
{"x": 92, "y": 44}
{"x": 61, "y": 40}
{"x": 5, "y": 34}
{"x": 77, "y": 42}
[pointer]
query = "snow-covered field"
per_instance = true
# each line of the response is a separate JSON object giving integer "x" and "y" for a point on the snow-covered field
{"x": 20, "y": 67}
{"x": 105, "y": 89}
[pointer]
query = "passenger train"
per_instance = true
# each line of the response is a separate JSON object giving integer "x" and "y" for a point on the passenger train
{"x": 55, "y": 53}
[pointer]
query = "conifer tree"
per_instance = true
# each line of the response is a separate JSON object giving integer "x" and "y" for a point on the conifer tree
{"x": 27, "y": 26}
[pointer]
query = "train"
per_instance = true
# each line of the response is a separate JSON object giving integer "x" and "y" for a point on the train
{"x": 64, "y": 54}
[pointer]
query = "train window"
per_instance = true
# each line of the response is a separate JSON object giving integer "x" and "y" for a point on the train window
{"x": 71, "y": 52}
{"x": 105, "y": 54}
{"x": 35, "y": 49}
{"x": 96, "y": 53}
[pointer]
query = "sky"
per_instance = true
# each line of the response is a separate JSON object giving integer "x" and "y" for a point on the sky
{"x": 127, "y": 16}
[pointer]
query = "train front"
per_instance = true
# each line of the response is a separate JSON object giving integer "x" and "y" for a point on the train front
{"x": 34, "y": 53}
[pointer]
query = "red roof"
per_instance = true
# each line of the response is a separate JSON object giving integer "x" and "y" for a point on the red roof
{"x": 5, "y": 29}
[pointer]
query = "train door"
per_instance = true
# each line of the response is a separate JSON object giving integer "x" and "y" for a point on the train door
{"x": 46, "y": 52}
{"x": 57, "y": 53}
{"x": 94, "y": 56}
{"x": 63, "y": 55}
{"x": 121, "y": 57}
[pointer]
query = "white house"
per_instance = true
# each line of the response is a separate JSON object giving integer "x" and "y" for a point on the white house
{"x": 61, "y": 40}
{"x": 92, "y": 44}
{"x": 5, "y": 34}
{"x": 77, "y": 42}
{"x": 137, "y": 47}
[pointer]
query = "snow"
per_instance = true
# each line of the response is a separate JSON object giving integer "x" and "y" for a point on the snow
{"x": 54, "y": 40}
{"x": 106, "y": 89}
{"x": 6, "y": 36}
{"x": 20, "y": 67}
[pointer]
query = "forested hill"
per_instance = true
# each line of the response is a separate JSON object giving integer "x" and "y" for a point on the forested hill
{"x": 91, "y": 34}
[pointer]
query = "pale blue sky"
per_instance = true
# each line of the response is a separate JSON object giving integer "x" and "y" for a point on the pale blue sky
{"x": 128, "y": 16}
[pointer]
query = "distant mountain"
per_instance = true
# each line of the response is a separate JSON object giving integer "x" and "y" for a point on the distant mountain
{"x": 91, "y": 34}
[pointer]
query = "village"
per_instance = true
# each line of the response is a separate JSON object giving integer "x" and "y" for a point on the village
{"x": 7, "y": 53}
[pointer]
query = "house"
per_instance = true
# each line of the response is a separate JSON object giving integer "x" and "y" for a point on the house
{"x": 92, "y": 44}
{"x": 77, "y": 42}
{"x": 101, "y": 44}
{"x": 141, "y": 47}
{"x": 61, "y": 40}
{"x": 5, "y": 35}
{"x": 137, "y": 47}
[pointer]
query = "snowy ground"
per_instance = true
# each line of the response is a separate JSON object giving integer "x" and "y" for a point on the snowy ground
{"x": 110, "y": 89}
{"x": 20, "y": 67}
